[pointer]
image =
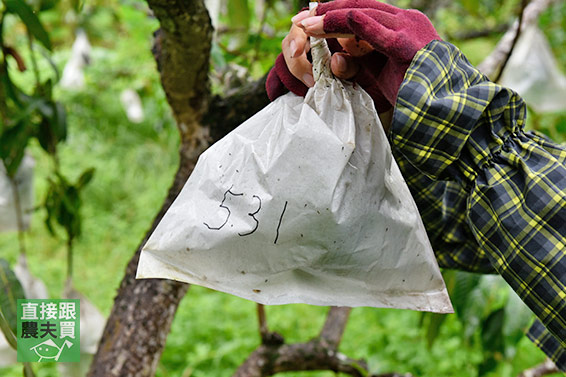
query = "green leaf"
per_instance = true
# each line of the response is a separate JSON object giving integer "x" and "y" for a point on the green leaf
{"x": 464, "y": 284}
{"x": 12, "y": 91}
{"x": 487, "y": 365}
{"x": 7, "y": 331}
{"x": 492, "y": 341}
{"x": 45, "y": 137}
{"x": 78, "y": 5}
{"x": 63, "y": 203}
{"x": 47, "y": 4}
{"x": 433, "y": 328}
{"x": 85, "y": 178}
{"x": 53, "y": 126}
{"x": 70, "y": 215}
{"x": 66, "y": 205}
{"x": 13, "y": 142}
{"x": 29, "y": 18}
{"x": 492, "y": 331}
{"x": 45, "y": 90}
{"x": 49, "y": 60}
{"x": 28, "y": 370}
{"x": 61, "y": 121}
{"x": 51, "y": 205}
{"x": 10, "y": 291}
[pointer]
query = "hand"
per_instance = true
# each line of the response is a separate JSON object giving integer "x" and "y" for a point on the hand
{"x": 293, "y": 71}
{"x": 377, "y": 43}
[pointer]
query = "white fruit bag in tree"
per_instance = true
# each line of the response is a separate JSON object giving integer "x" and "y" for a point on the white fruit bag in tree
{"x": 533, "y": 72}
{"x": 23, "y": 182}
{"x": 302, "y": 203}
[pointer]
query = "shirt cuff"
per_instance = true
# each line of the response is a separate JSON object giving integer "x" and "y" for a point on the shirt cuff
{"x": 449, "y": 119}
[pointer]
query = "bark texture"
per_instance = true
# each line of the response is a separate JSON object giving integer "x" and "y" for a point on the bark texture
{"x": 274, "y": 356}
{"x": 182, "y": 52}
{"x": 225, "y": 114}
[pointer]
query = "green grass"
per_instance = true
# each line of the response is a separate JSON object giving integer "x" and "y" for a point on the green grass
{"x": 213, "y": 332}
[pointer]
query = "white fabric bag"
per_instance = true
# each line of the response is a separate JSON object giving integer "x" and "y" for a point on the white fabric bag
{"x": 532, "y": 71}
{"x": 24, "y": 183}
{"x": 302, "y": 203}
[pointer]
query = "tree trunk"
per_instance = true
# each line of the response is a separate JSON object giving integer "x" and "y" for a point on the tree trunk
{"x": 143, "y": 310}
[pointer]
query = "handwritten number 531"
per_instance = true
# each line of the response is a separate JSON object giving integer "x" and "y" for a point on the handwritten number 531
{"x": 226, "y": 208}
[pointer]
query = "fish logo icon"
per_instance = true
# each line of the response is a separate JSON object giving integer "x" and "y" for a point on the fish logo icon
{"x": 49, "y": 350}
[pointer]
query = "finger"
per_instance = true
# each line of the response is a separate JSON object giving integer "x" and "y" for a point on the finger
{"x": 355, "y": 47}
{"x": 386, "y": 19}
{"x": 295, "y": 42}
{"x": 344, "y": 66}
{"x": 390, "y": 35}
{"x": 323, "y": 8}
{"x": 314, "y": 27}
{"x": 296, "y": 59}
{"x": 371, "y": 26}
{"x": 301, "y": 16}
{"x": 366, "y": 24}
{"x": 301, "y": 68}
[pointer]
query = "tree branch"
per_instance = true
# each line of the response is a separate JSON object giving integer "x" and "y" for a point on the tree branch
{"x": 225, "y": 114}
{"x": 333, "y": 329}
{"x": 319, "y": 354}
{"x": 262, "y": 322}
{"x": 490, "y": 65}
{"x": 182, "y": 52}
{"x": 268, "y": 360}
{"x": 515, "y": 39}
{"x": 465, "y": 35}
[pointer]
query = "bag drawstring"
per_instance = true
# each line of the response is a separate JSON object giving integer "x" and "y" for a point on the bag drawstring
{"x": 320, "y": 55}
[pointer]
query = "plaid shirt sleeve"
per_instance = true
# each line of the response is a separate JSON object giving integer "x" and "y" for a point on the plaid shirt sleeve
{"x": 492, "y": 196}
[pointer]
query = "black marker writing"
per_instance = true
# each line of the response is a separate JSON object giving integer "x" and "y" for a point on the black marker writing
{"x": 280, "y": 220}
{"x": 226, "y": 208}
{"x": 252, "y": 215}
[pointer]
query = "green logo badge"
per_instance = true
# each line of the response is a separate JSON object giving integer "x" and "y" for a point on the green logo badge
{"x": 48, "y": 330}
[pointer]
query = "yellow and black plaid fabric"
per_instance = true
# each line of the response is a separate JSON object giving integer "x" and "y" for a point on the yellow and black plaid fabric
{"x": 492, "y": 196}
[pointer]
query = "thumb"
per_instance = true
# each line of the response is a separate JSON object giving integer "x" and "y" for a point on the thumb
{"x": 344, "y": 66}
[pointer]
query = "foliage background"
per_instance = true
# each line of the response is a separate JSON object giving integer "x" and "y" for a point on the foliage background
{"x": 214, "y": 332}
